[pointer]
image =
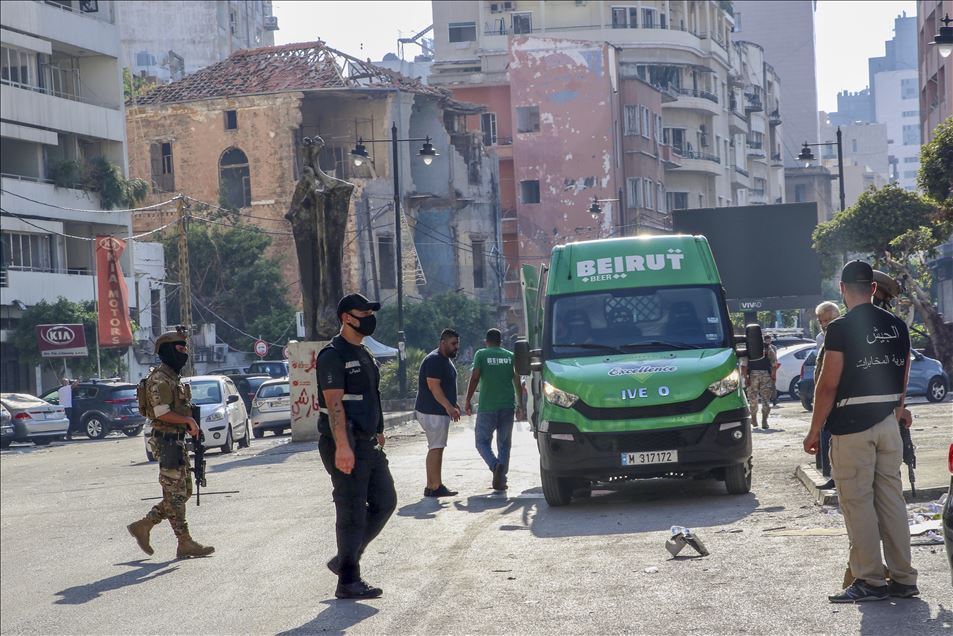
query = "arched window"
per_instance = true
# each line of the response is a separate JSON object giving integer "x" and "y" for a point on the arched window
{"x": 234, "y": 180}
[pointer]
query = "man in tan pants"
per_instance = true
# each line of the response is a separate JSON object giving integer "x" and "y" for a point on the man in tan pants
{"x": 860, "y": 394}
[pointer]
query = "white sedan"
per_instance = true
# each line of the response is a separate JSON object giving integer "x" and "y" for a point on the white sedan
{"x": 224, "y": 418}
{"x": 790, "y": 358}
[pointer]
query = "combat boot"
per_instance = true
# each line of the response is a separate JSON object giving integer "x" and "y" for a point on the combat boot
{"x": 140, "y": 531}
{"x": 189, "y": 548}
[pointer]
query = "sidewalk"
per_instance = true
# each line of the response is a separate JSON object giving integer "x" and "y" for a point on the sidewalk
{"x": 397, "y": 418}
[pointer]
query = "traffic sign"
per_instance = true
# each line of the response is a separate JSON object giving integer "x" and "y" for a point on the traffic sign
{"x": 261, "y": 348}
{"x": 284, "y": 352}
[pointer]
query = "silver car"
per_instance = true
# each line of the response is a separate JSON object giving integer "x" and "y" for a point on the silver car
{"x": 6, "y": 427}
{"x": 33, "y": 419}
{"x": 271, "y": 408}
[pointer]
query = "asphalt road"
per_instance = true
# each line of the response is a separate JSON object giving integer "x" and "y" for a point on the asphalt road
{"x": 475, "y": 563}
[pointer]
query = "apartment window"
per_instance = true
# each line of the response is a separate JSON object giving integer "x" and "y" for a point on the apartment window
{"x": 911, "y": 135}
{"x": 31, "y": 252}
{"x": 677, "y": 200}
{"x": 479, "y": 263}
{"x": 908, "y": 88}
{"x": 625, "y": 17}
{"x": 488, "y": 126}
{"x": 630, "y": 124}
{"x": 853, "y": 145}
{"x": 529, "y": 191}
{"x": 522, "y": 23}
{"x": 648, "y": 194}
{"x": 658, "y": 128}
{"x": 231, "y": 120}
{"x": 648, "y": 18}
{"x": 462, "y": 31}
{"x": 155, "y": 310}
{"x": 234, "y": 179}
{"x": 633, "y": 192}
{"x": 660, "y": 197}
{"x": 386, "y": 262}
{"x": 909, "y": 174}
{"x": 18, "y": 66}
{"x": 233, "y": 22}
{"x": 160, "y": 159}
{"x": 646, "y": 122}
{"x": 911, "y": 113}
{"x": 527, "y": 119}
{"x": 911, "y": 159}
{"x": 145, "y": 58}
{"x": 676, "y": 137}
{"x": 800, "y": 193}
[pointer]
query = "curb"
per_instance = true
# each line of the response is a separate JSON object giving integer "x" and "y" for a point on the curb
{"x": 392, "y": 420}
{"x": 813, "y": 480}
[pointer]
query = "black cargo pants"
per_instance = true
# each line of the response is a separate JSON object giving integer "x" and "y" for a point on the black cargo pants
{"x": 364, "y": 501}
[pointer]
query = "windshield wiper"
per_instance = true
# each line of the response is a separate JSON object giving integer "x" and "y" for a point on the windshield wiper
{"x": 588, "y": 345}
{"x": 661, "y": 343}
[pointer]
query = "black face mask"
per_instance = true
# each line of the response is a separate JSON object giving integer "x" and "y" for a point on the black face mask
{"x": 172, "y": 357}
{"x": 367, "y": 324}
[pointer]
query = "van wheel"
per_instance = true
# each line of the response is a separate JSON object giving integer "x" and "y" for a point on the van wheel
{"x": 738, "y": 478}
{"x": 936, "y": 390}
{"x": 557, "y": 490}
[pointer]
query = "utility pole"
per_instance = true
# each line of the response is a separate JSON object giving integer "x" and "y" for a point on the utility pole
{"x": 398, "y": 233}
{"x": 185, "y": 288}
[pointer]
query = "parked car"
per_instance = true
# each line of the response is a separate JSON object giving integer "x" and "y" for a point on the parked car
{"x": 927, "y": 378}
{"x": 229, "y": 371}
{"x": 100, "y": 407}
{"x": 790, "y": 358}
{"x": 33, "y": 419}
{"x": 274, "y": 368}
{"x": 224, "y": 418}
{"x": 6, "y": 427}
{"x": 248, "y": 385}
{"x": 271, "y": 408}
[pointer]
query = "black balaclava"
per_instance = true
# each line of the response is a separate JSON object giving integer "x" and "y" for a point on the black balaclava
{"x": 175, "y": 359}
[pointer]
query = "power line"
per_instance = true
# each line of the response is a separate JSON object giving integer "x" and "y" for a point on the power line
{"x": 81, "y": 238}
{"x": 60, "y": 207}
{"x": 228, "y": 324}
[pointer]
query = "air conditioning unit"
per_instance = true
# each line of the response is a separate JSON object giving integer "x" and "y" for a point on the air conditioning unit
{"x": 219, "y": 352}
{"x": 508, "y": 6}
{"x": 270, "y": 22}
{"x": 495, "y": 7}
{"x": 89, "y": 6}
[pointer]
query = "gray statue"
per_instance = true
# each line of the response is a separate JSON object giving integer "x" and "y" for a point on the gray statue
{"x": 318, "y": 216}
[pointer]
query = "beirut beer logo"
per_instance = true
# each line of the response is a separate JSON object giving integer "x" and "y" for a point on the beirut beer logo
{"x": 616, "y": 267}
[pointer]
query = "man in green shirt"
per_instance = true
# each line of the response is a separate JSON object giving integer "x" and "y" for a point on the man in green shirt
{"x": 500, "y": 392}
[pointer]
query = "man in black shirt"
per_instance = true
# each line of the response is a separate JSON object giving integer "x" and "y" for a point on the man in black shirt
{"x": 351, "y": 444}
{"x": 436, "y": 406}
{"x": 860, "y": 394}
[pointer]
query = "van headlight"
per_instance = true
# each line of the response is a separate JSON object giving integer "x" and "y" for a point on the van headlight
{"x": 217, "y": 414}
{"x": 726, "y": 385}
{"x": 558, "y": 396}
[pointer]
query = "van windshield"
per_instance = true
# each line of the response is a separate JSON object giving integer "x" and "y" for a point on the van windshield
{"x": 634, "y": 320}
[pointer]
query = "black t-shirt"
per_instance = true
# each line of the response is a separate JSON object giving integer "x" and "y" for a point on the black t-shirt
{"x": 332, "y": 374}
{"x": 876, "y": 348}
{"x": 436, "y": 366}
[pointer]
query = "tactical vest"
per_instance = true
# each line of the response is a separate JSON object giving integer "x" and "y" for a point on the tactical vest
{"x": 360, "y": 392}
{"x": 762, "y": 364}
{"x": 181, "y": 400}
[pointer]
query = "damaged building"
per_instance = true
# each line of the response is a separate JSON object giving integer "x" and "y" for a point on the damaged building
{"x": 231, "y": 134}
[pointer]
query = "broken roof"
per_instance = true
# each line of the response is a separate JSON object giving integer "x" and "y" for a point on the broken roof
{"x": 304, "y": 66}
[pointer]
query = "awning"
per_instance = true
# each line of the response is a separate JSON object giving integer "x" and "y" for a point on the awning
{"x": 379, "y": 349}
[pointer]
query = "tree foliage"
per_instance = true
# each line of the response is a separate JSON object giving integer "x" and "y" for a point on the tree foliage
{"x": 134, "y": 85}
{"x": 936, "y": 167}
{"x": 423, "y": 321}
{"x": 234, "y": 284}
{"x": 63, "y": 311}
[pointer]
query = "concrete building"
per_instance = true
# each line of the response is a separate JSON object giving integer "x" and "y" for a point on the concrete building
{"x": 935, "y": 72}
{"x": 62, "y": 106}
{"x": 856, "y": 106}
{"x": 812, "y": 184}
{"x": 164, "y": 40}
{"x": 647, "y": 108}
{"x": 866, "y": 156}
{"x": 231, "y": 134}
{"x": 785, "y": 28}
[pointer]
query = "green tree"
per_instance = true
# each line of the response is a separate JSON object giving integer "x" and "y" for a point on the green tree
{"x": 135, "y": 86}
{"x": 899, "y": 231}
{"x": 234, "y": 283}
{"x": 63, "y": 311}
{"x": 423, "y": 321}
{"x": 936, "y": 168}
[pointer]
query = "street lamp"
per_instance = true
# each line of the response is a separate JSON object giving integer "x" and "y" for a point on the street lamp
{"x": 944, "y": 39}
{"x": 427, "y": 153}
{"x": 807, "y": 156}
{"x": 595, "y": 210}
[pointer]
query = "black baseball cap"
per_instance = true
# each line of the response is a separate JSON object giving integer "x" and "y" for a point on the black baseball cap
{"x": 857, "y": 272}
{"x": 356, "y": 301}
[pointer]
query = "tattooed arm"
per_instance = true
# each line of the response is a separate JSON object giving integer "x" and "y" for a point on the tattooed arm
{"x": 343, "y": 454}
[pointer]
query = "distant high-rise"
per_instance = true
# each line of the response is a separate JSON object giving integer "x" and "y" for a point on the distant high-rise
{"x": 785, "y": 30}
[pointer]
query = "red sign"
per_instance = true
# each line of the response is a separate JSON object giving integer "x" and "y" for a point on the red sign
{"x": 115, "y": 329}
{"x": 61, "y": 341}
{"x": 284, "y": 353}
{"x": 261, "y": 348}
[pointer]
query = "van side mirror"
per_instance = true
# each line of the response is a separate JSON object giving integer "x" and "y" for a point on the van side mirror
{"x": 521, "y": 356}
{"x": 754, "y": 342}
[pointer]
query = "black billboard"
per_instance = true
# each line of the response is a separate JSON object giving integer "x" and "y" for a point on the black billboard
{"x": 763, "y": 252}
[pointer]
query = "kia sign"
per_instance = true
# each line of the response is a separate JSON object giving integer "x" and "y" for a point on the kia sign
{"x": 62, "y": 341}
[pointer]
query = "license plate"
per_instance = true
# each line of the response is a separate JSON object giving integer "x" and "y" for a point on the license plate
{"x": 53, "y": 416}
{"x": 273, "y": 405}
{"x": 650, "y": 457}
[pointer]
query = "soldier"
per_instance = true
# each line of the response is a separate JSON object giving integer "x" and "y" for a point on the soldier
{"x": 761, "y": 376}
{"x": 165, "y": 401}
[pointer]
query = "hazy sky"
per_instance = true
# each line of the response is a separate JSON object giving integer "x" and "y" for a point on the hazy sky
{"x": 848, "y": 32}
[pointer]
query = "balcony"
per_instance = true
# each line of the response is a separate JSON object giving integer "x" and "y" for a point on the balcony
{"x": 66, "y": 22}
{"x": 43, "y": 190}
{"x": 38, "y": 108}
{"x": 753, "y": 103}
{"x": 777, "y": 161}
{"x": 670, "y": 158}
{"x": 757, "y": 196}
{"x": 699, "y": 162}
{"x": 32, "y": 286}
{"x": 755, "y": 149}
{"x": 740, "y": 178}
{"x": 774, "y": 118}
{"x": 693, "y": 99}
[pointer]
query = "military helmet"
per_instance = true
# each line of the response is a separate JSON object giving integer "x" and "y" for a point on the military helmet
{"x": 887, "y": 287}
{"x": 178, "y": 335}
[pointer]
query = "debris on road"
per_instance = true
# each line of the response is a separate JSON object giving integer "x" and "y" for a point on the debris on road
{"x": 681, "y": 537}
{"x": 651, "y": 569}
{"x": 807, "y": 532}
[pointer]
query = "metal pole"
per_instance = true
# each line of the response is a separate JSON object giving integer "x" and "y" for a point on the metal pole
{"x": 840, "y": 168}
{"x": 401, "y": 369}
{"x": 185, "y": 289}
{"x": 95, "y": 270}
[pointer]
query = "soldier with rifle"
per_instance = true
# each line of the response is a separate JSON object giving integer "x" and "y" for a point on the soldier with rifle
{"x": 166, "y": 402}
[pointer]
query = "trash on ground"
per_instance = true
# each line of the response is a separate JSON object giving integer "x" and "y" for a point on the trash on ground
{"x": 807, "y": 532}
{"x": 681, "y": 537}
{"x": 923, "y": 527}
{"x": 651, "y": 569}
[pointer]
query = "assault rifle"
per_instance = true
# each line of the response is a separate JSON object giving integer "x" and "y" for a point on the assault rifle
{"x": 909, "y": 457}
{"x": 198, "y": 466}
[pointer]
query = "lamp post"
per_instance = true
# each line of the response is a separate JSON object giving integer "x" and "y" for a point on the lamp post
{"x": 807, "y": 155}
{"x": 595, "y": 210}
{"x": 359, "y": 155}
{"x": 944, "y": 39}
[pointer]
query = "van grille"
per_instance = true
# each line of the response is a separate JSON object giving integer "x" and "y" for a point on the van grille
{"x": 670, "y": 439}
{"x": 644, "y": 412}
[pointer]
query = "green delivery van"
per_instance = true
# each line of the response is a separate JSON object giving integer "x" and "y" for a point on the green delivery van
{"x": 633, "y": 366}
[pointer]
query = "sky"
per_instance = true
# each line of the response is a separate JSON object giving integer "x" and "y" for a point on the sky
{"x": 847, "y": 33}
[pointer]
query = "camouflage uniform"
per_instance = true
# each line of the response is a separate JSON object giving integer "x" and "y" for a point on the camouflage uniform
{"x": 761, "y": 387}
{"x": 167, "y": 393}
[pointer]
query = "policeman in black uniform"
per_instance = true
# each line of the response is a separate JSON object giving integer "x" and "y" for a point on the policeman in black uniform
{"x": 351, "y": 425}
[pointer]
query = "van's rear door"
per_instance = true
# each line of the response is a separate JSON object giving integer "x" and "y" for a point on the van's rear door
{"x": 531, "y": 280}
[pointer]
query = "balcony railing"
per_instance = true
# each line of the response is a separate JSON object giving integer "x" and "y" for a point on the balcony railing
{"x": 4, "y": 278}
{"x": 71, "y": 271}
{"x": 774, "y": 118}
{"x": 690, "y": 92}
{"x": 49, "y": 90}
{"x": 755, "y": 145}
{"x": 694, "y": 154}
{"x": 741, "y": 171}
{"x": 756, "y": 192}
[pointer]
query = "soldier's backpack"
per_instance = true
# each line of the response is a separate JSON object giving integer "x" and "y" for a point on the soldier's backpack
{"x": 142, "y": 396}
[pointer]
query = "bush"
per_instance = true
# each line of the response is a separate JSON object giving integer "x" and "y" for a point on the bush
{"x": 423, "y": 321}
{"x": 389, "y": 388}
